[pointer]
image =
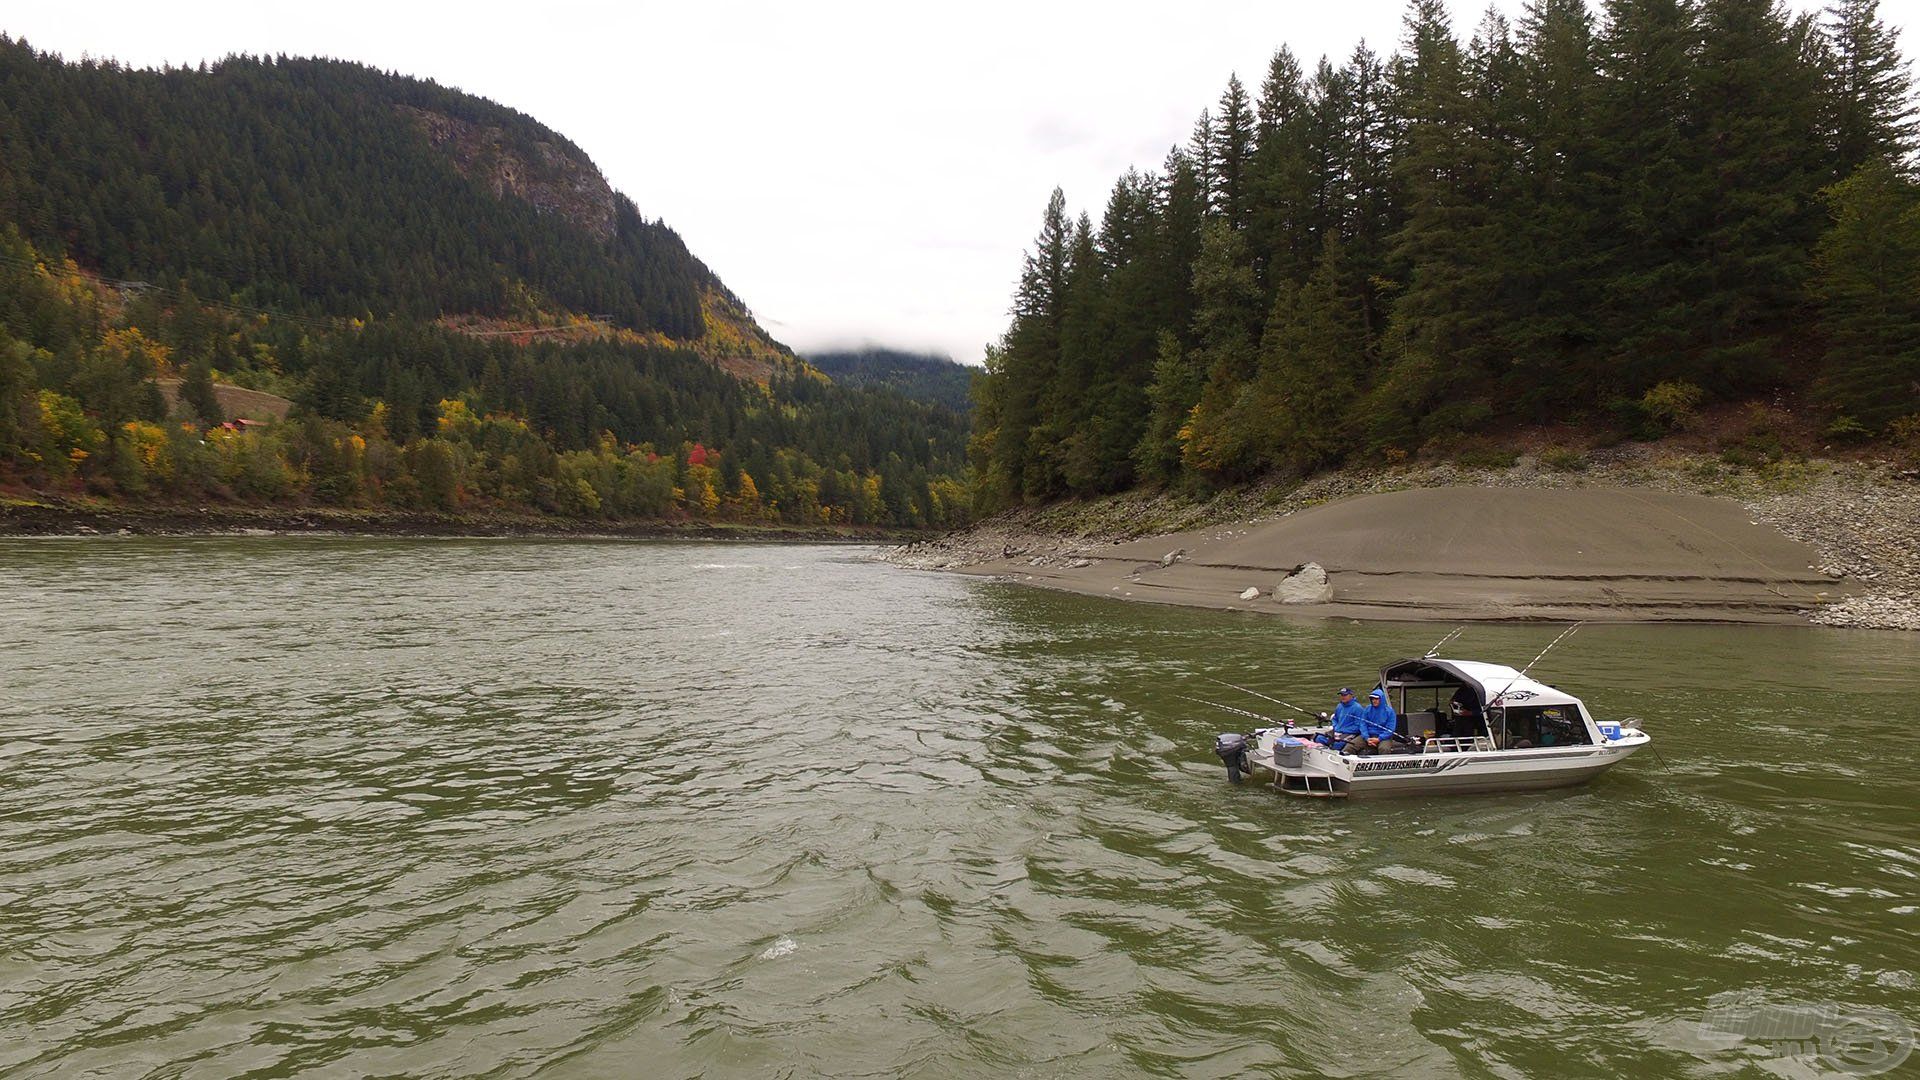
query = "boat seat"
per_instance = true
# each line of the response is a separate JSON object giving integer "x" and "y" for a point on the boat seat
{"x": 1413, "y": 724}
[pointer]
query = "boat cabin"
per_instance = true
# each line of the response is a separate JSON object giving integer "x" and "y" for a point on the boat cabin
{"x": 1469, "y": 705}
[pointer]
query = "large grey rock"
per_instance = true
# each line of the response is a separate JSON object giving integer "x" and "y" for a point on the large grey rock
{"x": 1307, "y": 585}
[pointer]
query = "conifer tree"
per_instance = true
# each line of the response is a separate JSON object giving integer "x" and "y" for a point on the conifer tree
{"x": 1653, "y": 195}
{"x": 1869, "y": 90}
{"x": 1441, "y": 336}
{"x": 196, "y": 392}
{"x": 1313, "y": 360}
{"x": 1032, "y": 351}
{"x": 1226, "y": 325}
{"x": 1869, "y": 289}
{"x": 1554, "y": 219}
{"x": 1282, "y": 227}
{"x": 1232, "y": 148}
{"x": 1171, "y": 395}
{"x": 1758, "y": 105}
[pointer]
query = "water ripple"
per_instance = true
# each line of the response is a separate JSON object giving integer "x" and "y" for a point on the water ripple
{"x": 515, "y": 808}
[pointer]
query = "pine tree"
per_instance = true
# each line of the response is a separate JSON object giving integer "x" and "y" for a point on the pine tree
{"x": 1653, "y": 191}
{"x": 1869, "y": 90}
{"x": 1869, "y": 289}
{"x": 1226, "y": 325}
{"x": 1282, "y": 228}
{"x": 1313, "y": 359}
{"x": 1368, "y": 194}
{"x": 196, "y": 392}
{"x": 1032, "y": 352}
{"x": 1072, "y": 430}
{"x": 1553, "y": 217}
{"x": 1758, "y": 104}
{"x": 1442, "y": 323}
{"x": 1171, "y": 395}
{"x": 1127, "y": 243}
{"x": 1232, "y": 148}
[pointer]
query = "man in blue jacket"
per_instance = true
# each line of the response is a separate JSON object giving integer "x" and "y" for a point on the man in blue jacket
{"x": 1378, "y": 723}
{"x": 1349, "y": 719}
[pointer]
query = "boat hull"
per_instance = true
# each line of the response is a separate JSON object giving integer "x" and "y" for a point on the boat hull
{"x": 1323, "y": 772}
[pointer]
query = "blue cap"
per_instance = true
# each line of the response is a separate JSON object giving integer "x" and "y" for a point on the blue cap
{"x": 1345, "y": 691}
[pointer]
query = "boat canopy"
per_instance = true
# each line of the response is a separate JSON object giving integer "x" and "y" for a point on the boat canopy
{"x": 1498, "y": 684}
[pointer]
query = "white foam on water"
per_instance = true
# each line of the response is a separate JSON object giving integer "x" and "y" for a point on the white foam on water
{"x": 780, "y": 947}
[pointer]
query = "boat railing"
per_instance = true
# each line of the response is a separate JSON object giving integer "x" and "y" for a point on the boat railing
{"x": 1456, "y": 744}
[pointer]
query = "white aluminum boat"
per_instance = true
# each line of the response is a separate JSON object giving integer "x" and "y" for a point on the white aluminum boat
{"x": 1464, "y": 726}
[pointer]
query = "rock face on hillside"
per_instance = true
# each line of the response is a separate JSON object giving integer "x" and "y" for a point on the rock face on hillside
{"x": 552, "y": 180}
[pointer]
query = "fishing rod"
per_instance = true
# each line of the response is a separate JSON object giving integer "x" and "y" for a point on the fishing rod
{"x": 1263, "y": 697}
{"x": 1435, "y": 651}
{"x": 1227, "y": 708}
{"x": 1499, "y": 697}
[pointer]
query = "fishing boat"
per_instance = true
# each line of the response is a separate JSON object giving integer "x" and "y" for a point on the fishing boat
{"x": 1463, "y": 726}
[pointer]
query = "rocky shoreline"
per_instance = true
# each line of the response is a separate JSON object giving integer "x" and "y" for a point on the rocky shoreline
{"x": 1862, "y": 519}
{"x": 36, "y": 518}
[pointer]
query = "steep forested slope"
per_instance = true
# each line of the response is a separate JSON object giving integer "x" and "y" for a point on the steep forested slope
{"x": 326, "y": 187}
{"x": 462, "y": 311}
{"x": 1605, "y": 218}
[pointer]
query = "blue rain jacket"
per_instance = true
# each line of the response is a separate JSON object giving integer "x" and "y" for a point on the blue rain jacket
{"x": 1349, "y": 718}
{"x": 1380, "y": 721}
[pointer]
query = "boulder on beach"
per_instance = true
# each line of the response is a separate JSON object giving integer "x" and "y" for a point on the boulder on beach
{"x": 1307, "y": 585}
{"x": 1250, "y": 594}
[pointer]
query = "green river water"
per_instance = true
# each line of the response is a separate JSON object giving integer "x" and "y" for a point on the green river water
{"x": 345, "y": 807}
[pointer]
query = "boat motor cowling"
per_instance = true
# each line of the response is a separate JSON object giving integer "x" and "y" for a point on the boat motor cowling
{"x": 1233, "y": 747}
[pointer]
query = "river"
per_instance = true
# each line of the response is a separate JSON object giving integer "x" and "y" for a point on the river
{"x": 292, "y": 806}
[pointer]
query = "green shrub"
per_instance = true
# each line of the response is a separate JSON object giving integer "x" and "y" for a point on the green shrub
{"x": 1845, "y": 429}
{"x": 1673, "y": 405}
{"x": 1482, "y": 456}
{"x": 1904, "y": 433}
{"x": 1562, "y": 459}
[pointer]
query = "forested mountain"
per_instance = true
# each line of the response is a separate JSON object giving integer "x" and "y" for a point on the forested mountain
{"x": 324, "y": 187}
{"x": 1601, "y": 217}
{"x": 934, "y": 379}
{"x": 463, "y": 312}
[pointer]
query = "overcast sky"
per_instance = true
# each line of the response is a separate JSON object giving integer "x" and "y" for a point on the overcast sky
{"x": 855, "y": 172}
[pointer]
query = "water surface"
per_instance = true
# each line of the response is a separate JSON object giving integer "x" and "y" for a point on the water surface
{"x": 573, "y": 808}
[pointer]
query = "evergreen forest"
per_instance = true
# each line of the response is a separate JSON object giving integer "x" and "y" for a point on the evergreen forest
{"x": 463, "y": 316}
{"x": 1606, "y": 217}
{"x": 932, "y": 378}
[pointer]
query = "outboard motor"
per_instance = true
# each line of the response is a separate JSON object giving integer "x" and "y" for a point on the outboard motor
{"x": 1233, "y": 748}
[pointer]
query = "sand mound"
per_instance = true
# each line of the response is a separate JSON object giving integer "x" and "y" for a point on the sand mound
{"x": 1476, "y": 553}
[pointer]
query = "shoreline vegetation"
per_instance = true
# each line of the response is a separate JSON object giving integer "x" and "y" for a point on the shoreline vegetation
{"x": 312, "y": 283}
{"x": 1594, "y": 222}
{"x": 41, "y": 517}
{"x": 1853, "y": 525}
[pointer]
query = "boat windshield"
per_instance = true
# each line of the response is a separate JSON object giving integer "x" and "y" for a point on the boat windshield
{"x": 1528, "y": 726}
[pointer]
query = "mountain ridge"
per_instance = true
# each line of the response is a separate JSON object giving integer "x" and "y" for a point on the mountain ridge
{"x": 326, "y": 187}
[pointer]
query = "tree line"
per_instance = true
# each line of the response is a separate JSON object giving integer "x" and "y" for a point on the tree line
{"x": 305, "y": 185}
{"x": 407, "y": 414}
{"x": 1577, "y": 216}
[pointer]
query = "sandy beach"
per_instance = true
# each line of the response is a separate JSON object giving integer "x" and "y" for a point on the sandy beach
{"x": 1464, "y": 552}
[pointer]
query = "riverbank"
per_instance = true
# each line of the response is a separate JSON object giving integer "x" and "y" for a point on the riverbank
{"x": 1631, "y": 534}
{"x": 24, "y": 517}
